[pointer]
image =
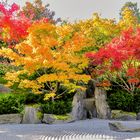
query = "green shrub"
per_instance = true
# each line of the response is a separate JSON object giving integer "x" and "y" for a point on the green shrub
{"x": 121, "y": 100}
{"x": 31, "y": 98}
{"x": 14, "y": 103}
{"x": 10, "y": 103}
{"x": 137, "y": 102}
{"x": 2, "y": 80}
{"x": 57, "y": 107}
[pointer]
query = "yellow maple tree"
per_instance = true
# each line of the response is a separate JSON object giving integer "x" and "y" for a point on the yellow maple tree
{"x": 53, "y": 50}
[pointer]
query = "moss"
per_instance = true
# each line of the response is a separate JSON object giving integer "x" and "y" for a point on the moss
{"x": 119, "y": 113}
{"x": 39, "y": 115}
{"x": 36, "y": 105}
{"x": 62, "y": 117}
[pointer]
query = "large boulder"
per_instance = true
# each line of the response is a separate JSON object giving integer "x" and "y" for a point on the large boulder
{"x": 48, "y": 119}
{"x": 4, "y": 89}
{"x": 102, "y": 107}
{"x": 90, "y": 107}
{"x": 126, "y": 118}
{"x": 90, "y": 89}
{"x": 78, "y": 110}
{"x": 122, "y": 115}
{"x": 56, "y": 119}
{"x": 138, "y": 116}
{"x": 32, "y": 115}
{"x": 117, "y": 126}
{"x": 10, "y": 119}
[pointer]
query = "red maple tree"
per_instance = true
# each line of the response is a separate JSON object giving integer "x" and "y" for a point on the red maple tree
{"x": 119, "y": 61}
{"x": 13, "y": 27}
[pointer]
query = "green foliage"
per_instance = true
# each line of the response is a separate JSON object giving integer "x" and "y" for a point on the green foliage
{"x": 132, "y": 6}
{"x": 121, "y": 100}
{"x": 2, "y": 44}
{"x": 58, "y": 107}
{"x": 10, "y": 103}
{"x": 137, "y": 102}
{"x": 31, "y": 98}
{"x": 2, "y": 80}
{"x": 39, "y": 115}
{"x": 14, "y": 103}
{"x": 3, "y": 69}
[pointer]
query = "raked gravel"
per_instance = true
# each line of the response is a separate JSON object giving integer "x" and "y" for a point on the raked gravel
{"x": 94, "y": 129}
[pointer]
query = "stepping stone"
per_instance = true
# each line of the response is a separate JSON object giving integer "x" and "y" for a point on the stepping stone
{"x": 117, "y": 126}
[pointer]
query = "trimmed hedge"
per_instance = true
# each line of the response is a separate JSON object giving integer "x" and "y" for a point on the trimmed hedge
{"x": 57, "y": 107}
{"x": 137, "y": 102}
{"x": 122, "y": 100}
{"x": 14, "y": 103}
{"x": 10, "y": 103}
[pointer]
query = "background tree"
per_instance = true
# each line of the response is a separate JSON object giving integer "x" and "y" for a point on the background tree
{"x": 98, "y": 30}
{"x": 128, "y": 20}
{"x": 101, "y": 31}
{"x": 37, "y": 11}
{"x": 133, "y": 7}
{"x": 5, "y": 2}
{"x": 13, "y": 27}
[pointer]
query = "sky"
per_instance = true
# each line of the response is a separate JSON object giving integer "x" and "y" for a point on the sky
{"x": 83, "y": 9}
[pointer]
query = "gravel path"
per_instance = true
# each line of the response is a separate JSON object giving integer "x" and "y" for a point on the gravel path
{"x": 81, "y": 130}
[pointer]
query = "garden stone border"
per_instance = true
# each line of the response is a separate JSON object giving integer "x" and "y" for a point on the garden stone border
{"x": 18, "y": 119}
{"x": 10, "y": 119}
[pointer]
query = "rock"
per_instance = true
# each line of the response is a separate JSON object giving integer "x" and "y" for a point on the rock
{"x": 126, "y": 118}
{"x": 32, "y": 115}
{"x": 48, "y": 119}
{"x": 89, "y": 105}
{"x": 102, "y": 107}
{"x": 10, "y": 119}
{"x": 123, "y": 116}
{"x": 90, "y": 89}
{"x": 70, "y": 121}
{"x": 78, "y": 111}
{"x": 138, "y": 116}
{"x": 117, "y": 126}
{"x": 4, "y": 89}
{"x": 56, "y": 119}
